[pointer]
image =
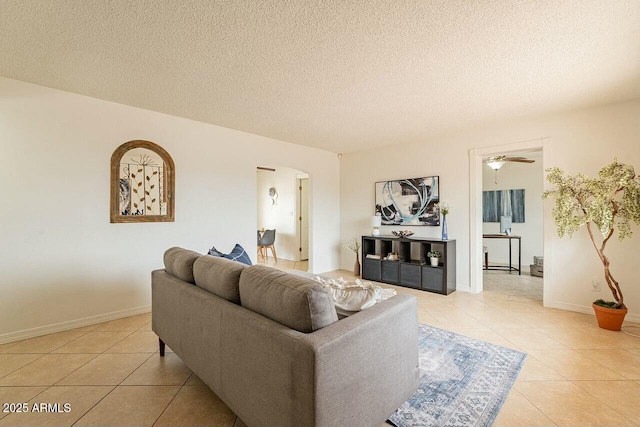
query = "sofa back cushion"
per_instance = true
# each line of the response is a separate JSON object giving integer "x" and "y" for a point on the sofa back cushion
{"x": 219, "y": 276}
{"x": 179, "y": 263}
{"x": 296, "y": 302}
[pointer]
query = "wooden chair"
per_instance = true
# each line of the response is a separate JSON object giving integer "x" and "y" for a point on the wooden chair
{"x": 485, "y": 250}
{"x": 267, "y": 242}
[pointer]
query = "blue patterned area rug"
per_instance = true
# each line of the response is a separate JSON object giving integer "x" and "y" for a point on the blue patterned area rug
{"x": 463, "y": 381}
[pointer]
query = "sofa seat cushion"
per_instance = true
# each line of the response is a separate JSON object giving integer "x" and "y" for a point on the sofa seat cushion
{"x": 219, "y": 276}
{"x": 296, "y": 302}
{"x": 179, "y": 262}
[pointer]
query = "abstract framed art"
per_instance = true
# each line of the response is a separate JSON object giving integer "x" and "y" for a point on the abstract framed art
{"x": 408, "y": 201}
{"x": 498, "y": 203}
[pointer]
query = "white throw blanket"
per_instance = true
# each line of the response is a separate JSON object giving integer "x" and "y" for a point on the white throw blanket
{"x": 355, "y": 296}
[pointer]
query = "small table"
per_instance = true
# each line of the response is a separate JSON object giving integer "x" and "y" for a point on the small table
{"x": 510, "y": 268}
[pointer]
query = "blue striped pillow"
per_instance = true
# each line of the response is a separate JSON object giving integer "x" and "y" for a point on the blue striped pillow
{"x": 238, "y": 254}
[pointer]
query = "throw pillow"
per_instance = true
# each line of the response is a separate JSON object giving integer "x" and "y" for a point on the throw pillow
{"x": 237, "y": 254}
{"x": 355, "y": 296}
{"x": 213, "y": 251}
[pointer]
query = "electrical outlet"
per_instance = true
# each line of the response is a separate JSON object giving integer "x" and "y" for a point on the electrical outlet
{"x": 595, "y": 285}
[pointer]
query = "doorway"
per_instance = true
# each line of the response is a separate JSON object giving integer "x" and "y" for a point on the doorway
{"x": 512, "y": 218}
{"x": 303, "y": 218}
{"x": 283, "y": 216}
{"x": 528, "y": 230}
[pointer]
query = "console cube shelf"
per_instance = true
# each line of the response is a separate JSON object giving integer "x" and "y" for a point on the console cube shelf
{"x": 413, "y": 268}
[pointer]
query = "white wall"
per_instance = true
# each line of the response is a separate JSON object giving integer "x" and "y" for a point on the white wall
{"x": 282, "y": 215}
{"x": 516, "y": 176}
{"x": 579, "y": 141}
{"x": 61, "y": 260}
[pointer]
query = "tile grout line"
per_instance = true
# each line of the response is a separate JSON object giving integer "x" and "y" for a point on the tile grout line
{"x": 587, "y": 357}
{"x": 51, "y": 351}
{"x": 604, "y": 403}
{"x": 118, "y": 342}
{"x": 54, "y": 384}
{"x": 115, "y": 386}
{"x": 172, "y": 399}
{"x": 94, "y": 405}
{"x": 93, "y": 358}
{"x": 546, "y": 366}
{"x": 132, "y": 372}
{"x": 532, "y": 404}
{"x": 30, "y": 400}
{"x": 10, "y": 344}
{"x": 89, "y": 332}
{"x": 95, "y": 355}
{"x": 51, "y": 385}
{"x": 84, "y": 364}
{"x": 24, "y": 366}
{"x": 78, "y": 337}
{"x": 99, "y": 385}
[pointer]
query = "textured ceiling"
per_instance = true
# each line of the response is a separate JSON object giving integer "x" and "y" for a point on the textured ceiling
{"x": 338, "y": 75}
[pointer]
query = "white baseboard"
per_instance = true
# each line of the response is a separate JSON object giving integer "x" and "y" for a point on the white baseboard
{"x": 72, "y": 324}
{"x": 571, "y": 307}
{"x": 588, "y": 310}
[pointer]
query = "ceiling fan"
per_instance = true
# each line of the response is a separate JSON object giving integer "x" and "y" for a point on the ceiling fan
{"x": 496, "y": 162}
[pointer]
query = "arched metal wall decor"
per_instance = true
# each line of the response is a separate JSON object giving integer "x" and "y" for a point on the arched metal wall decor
{"x": 142, "y": 183}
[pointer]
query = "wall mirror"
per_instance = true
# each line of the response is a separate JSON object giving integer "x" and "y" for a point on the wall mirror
{"x": 142, "y": 183}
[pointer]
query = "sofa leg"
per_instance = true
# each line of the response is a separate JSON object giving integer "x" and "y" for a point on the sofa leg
{"x": 161, "y": 347}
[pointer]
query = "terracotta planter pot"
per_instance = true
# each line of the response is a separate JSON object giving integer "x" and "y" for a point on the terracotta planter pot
{"x": 610, "y": 318}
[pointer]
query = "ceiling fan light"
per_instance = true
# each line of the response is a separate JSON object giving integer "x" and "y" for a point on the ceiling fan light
{"x": 495, "y": 165}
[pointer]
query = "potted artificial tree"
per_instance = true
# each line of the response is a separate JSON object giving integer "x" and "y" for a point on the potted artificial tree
{"x": 610, "y": 201}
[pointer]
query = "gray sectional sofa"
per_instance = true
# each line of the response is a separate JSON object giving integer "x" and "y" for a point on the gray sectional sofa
{"x": 270, "y": 344}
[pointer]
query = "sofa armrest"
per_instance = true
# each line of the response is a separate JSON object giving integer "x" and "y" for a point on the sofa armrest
{"x": 366, "y": 365}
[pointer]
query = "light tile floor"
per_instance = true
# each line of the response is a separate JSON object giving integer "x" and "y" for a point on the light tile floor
{"x": 511, "y": 284}
{"x": 110, "y": 374}
{"x": 284, "y": 264}
{"x": 575, "y": 374}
